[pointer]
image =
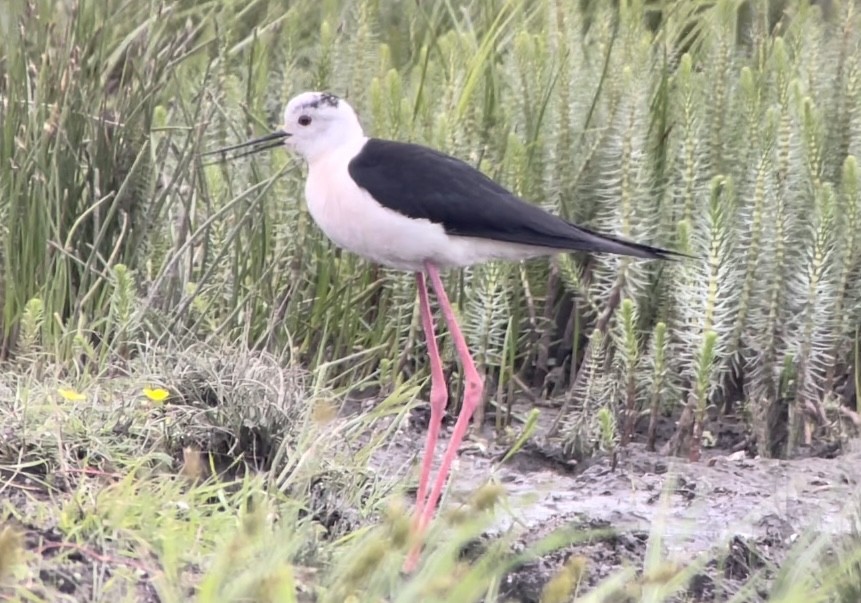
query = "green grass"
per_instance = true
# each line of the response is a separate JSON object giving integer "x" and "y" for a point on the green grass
{"x": 169, "y": 498}
{"x": 266, "y": 496}
{"x": 729, "y": 130}
{"x": 598, "y": 116}
{"x": 174, "y": 495}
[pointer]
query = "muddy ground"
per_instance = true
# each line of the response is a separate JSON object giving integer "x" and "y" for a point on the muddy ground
{"x": 740, "y": 515}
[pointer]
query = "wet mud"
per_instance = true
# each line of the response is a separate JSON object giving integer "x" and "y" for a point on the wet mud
{"x": 738, "y": 516}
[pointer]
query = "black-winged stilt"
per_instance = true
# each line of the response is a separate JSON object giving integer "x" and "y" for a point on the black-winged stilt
{"x": 409, "y": 207}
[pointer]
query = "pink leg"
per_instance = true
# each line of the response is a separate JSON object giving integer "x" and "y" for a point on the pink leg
{"x": 473, "y": 387}
{"x": 472, "y": 396}
{"x": 438, "y": 394}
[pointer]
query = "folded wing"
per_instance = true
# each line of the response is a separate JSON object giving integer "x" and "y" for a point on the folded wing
{"x": 422, "y": 183}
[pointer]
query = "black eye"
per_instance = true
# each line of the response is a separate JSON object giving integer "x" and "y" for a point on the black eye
{"x": 304, "y": 120}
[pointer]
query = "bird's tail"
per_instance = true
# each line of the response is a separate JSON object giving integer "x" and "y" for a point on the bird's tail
{"x": 597, "y": 242}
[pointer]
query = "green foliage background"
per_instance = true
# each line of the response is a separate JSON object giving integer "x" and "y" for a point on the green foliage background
{"x": 726, "y": 129}
{"x": 729, "y": 130}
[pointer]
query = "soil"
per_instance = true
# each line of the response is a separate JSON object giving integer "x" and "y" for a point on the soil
{"x": 737, "y": 515}
{"x": 67, "y": 572}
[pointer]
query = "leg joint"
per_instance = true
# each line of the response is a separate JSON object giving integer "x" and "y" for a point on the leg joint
{"x": 474, "y": 385}
{"x": 438, "y": 396}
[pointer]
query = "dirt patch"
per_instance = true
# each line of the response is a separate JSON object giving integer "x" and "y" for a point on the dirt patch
{"x": 738, "y": 515}
{"x": 742, "y": 514}
{"x": 64, "y": 570}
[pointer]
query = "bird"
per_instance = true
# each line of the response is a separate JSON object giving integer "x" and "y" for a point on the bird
{"x": 412, "y": 208}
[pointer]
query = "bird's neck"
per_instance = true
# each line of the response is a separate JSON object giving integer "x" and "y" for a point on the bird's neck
{"x": 340, "y": 153}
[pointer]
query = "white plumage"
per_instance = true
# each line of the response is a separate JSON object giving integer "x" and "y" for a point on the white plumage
{"x": 353, "y": 220}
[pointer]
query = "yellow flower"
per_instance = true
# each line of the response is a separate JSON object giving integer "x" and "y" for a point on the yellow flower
{"x": 157, "y": 395}
{"x": 71, "y": 395}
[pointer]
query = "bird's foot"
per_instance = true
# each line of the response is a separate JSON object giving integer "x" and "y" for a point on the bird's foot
{"x": 412, "y": 560}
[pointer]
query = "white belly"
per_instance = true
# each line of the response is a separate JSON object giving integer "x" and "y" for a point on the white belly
{"x": 354, "y": 221}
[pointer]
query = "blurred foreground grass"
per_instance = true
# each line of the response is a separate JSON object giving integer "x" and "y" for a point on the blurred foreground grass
{"x": 727, "y": 129}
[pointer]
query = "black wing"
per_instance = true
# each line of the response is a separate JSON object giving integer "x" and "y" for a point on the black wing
{"x": 419, "y": 182}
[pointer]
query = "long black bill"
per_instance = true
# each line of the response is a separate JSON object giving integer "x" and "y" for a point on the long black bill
{"x": 264, "y": 143}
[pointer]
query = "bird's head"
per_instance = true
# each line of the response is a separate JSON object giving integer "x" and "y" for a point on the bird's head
{"x": 314, "y": 124}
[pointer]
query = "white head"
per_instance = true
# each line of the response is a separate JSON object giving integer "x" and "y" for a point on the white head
{"x": 314, "y": 123}
{"x": 318, "y": 122}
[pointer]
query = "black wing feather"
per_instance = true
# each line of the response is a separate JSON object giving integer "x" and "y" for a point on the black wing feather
{"x": 419, "y": 182}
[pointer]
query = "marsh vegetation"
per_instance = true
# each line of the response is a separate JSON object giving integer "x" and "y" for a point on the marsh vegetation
{"x": 202, "y": 399}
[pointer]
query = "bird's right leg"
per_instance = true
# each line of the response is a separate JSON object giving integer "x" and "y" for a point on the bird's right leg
{"x": 438, "y": 394}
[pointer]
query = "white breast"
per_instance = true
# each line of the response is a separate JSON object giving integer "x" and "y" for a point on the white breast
{"x": 354, "y": 221}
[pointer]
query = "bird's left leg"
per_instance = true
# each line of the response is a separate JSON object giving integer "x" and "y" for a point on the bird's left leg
{"x": 473, "y": 388}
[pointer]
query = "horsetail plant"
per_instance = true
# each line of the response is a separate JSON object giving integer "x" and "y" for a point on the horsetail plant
{"x": 628, "y": 345}
{"x": 601, "y": 116}
{"x": 846, "y": 303}
{"x": 658, "y": 384}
